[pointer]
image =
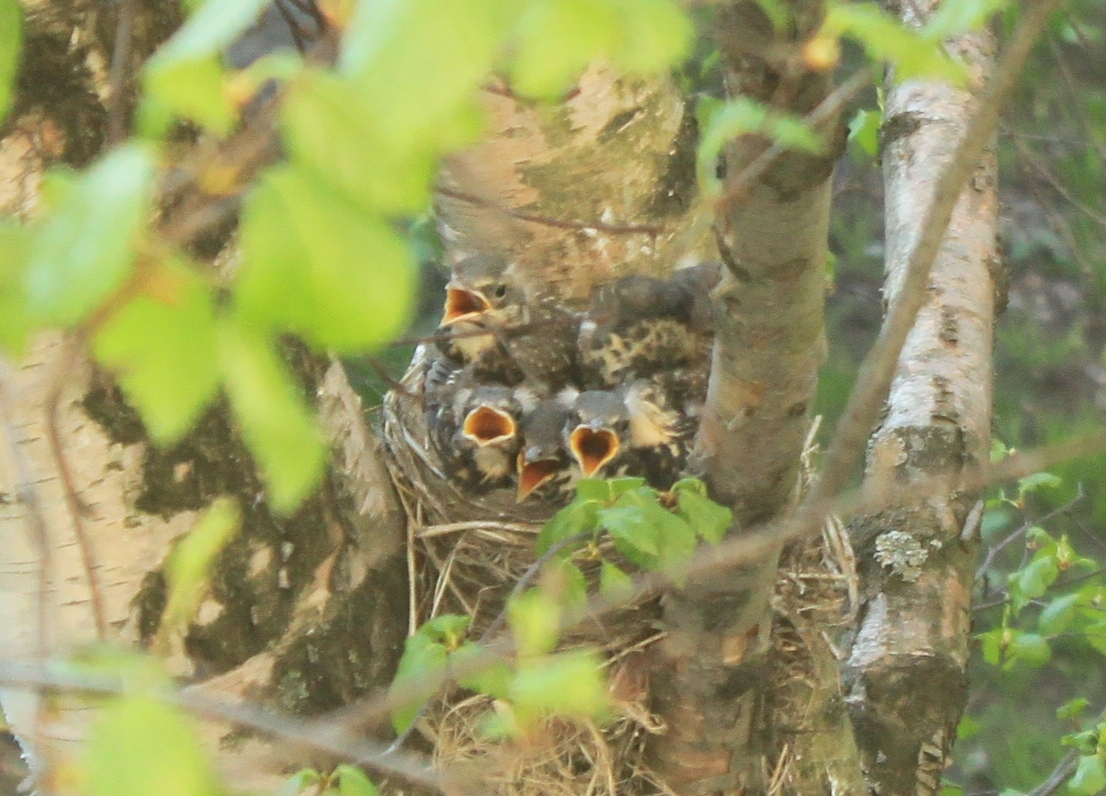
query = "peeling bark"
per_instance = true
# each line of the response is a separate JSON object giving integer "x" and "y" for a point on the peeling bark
{"x": 600, "y": 185}
{"x": 907, "y": 670}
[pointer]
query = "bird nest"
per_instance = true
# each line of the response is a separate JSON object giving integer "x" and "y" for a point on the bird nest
{"x": 467, "y": 553}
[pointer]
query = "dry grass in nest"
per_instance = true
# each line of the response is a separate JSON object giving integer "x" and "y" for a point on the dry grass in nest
{"x": 467, "y": 553}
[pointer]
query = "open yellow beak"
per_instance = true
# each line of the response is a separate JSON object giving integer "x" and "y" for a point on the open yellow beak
{"x": 487, "y": 426}
{"x": 593, "y": 449}
{"x": 461, "y": 303}
{"x": 531, "y": 475}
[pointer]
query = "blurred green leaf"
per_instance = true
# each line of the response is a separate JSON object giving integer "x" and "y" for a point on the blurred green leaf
{"x": 1057, "y": 615}
{"x": 162, "y": 346}
{"x": 11, "y": 41}
{"x": 1029, "y": 648}
{"x": 1072, "y": 709}
{"x": 423, "y": 663}
{"x": 188, "y": 571}
{"x": 720, "y": 122}
{"x": 707, "y": 518}
{"x": 647, "y": 534}
{"x": 962, "y": 16}
{"x": 352, "y": 781}
{"x": 334, "y": 133}
{"x": 968, "y": 727}
{"x": 1037, "y": 482}
{"x": 278, "y": 427}
{"x": 777, "y": 12}
{"x": 864, "y": 131}
{"x": 140, "y": 746}
{"x": 191, "y": 89}
{"x": 656, "y": 36}
{"x": 186, "y": 74}
{"x": 298, "y": 782}
{"x": 1032, "y": 581}
{"x": 693, "y": 485}
{"x": 614, "y": 584}
{"x": 575, "y": 518}
{"x": 535, "y": 618}
{"x": 567, "y": 684}
{"x": 887, "y": 39}
{"x": 557, "y": 39}
{"x": 449, "y": 629}
{"x": 14, "y": 321}
{"x": 418, "y": 63}
{"x": 87, "y": 247}
{"x": 318, "y": 266}
{"x": 565, "y": 582}
{"x": 1089, "y": 777}
{"x": 493, "y": 680}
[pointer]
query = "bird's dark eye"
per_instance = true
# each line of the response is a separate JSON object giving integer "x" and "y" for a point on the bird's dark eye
{"x": 500, "y": 291}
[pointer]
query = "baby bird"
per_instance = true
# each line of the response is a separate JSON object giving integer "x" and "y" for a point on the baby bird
{"x": 508, "y": 332}
{"x": 638, "y": 326}
{"x": 545, "y": 469}
{"x": 631, "y": 430}
{"x": 475, "y": 430}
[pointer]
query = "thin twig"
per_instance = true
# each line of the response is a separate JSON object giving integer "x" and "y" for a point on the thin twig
{"x": 316, "y": 734}
{"x": 598, "y": 226}
{"x": 120, "y": 67}
{"x": 1063, "y": 771}
{"x": 73, "y": 503}
{"x": 998, "y": 548}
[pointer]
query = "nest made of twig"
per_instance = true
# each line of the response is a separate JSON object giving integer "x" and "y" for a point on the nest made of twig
{"x": 466, "y": 553}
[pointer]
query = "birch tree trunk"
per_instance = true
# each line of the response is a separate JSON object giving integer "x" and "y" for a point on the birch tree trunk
{"x": 907, "y": 670}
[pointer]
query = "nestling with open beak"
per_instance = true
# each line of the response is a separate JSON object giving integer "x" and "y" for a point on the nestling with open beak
{"x": 510, "y": 332}
{"x": 598, "y": 434}
{"x": 475, "y": 430}
{"x": 545, "y": 469}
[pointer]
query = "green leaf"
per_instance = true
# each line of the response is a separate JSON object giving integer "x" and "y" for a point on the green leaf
{"x": 887, "y": 39}
{"x": 298, "y": 782}
{"x": 968, "y": 727}
{"x": 620, "y": 486}
{"x": 656, "y": 35}
{"x": 191, "y": 89}
{"x": 1089, "y": 777}
{"x": 575, "y": 518}
{"x": 189, "y": 567}
{"x": 707, "y": 518}
{"x": 11, "y": 41}
{"x": 1095, "y": 636}
{"x": 567, "y": 684}
{"x": 557, "y": 39}
{"x": 86, "y": 248}
{"x": 693, "y": 485}
{"x": 141, "y": 746}
{"x": 1072, "y": 709}
{"x": 352, "y": 781}
{"x": 614, "y": 584}
{"x": 1033, "y": 580}
{"x": 992, "y": 645}
{"x": 565, "y": 582}
{"x": 535, "y": 618}
{"x": 185, "y": 75}
{"x": 449, "y": 629}
{"x": 15, "y": 323}
{"x": 1029, "y": 648}
{"x": 418, "y": 63}
{"x": 1037, "y": 482}
{"x": 423, "y": 664}
{"x": 648, "y": 535}
{"x": 593, "y": 489}
{"x": 162, "y": 346}
{"x": 315, "y": 265}
{"x": 278, "y": 427}
{"x": 1057, "y": 615}
{"x": 493, "y": 680}
{"x": 721, "y": 122}
{"x": 334, "y": 133}
{"x": 864, "y": 131}
{"x": 958, "y": 17}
